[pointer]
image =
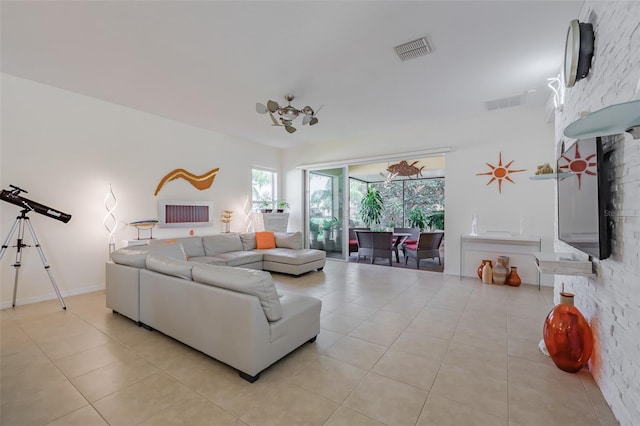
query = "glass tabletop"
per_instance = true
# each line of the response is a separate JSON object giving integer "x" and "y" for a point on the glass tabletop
{"x": 611, "y": 120}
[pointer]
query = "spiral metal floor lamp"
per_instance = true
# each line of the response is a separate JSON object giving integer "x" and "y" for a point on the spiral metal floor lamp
{"x": 110, "y": 222}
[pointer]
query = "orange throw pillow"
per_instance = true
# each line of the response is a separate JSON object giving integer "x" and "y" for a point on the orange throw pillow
{"x": 265, "y": 240}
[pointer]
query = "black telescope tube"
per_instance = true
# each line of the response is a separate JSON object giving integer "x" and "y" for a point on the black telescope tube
{"x": 26, "y": 204}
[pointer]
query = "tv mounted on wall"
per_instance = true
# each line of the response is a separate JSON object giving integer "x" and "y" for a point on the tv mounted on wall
{"x": 584, "y": 197}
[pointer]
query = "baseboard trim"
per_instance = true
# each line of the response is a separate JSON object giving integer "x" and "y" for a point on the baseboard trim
{"x": 52, "y": 296}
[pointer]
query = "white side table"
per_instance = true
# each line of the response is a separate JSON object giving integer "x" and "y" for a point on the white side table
{"x": 474, "y": 248}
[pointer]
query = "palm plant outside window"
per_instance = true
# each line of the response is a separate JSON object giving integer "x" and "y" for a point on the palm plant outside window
{"x": 264, "y": 184}
{"x": 400, "y": 197}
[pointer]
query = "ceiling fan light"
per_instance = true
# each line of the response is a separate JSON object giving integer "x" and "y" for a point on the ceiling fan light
{"x": 288, "y": 113}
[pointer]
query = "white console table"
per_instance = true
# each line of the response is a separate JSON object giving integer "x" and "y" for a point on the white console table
{"x": 272, "y": 222}
{"x": 520, "y": 249}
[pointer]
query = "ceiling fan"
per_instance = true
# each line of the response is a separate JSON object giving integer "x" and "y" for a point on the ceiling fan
{"x": 288, "y": 113}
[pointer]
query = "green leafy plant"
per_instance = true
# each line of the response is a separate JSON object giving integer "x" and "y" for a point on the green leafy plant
{"x": 436, "y": 220}
{"x": 281, "y": 205}
{"x": 266, "y": 206}
{"x": 416, "y": 219}
{"x": 371, "y": 207}
{"x": 330, "y": 224}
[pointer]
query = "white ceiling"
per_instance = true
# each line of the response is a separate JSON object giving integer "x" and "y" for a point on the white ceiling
{"x": 208, "y": 63}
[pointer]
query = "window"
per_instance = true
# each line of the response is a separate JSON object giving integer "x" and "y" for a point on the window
{"x": 357, "y": 190}
{"x": 264, "y": 184}
{"x": 400, "y": 197}
{"x": 321, "y": 196}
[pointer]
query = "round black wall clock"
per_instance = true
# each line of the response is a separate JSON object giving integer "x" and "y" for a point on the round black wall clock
{"x": 578, "y": 52}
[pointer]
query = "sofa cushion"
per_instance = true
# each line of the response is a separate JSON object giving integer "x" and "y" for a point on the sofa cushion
{"x": 169, "y": 266}
{"x": 290, "y": 240}
{"x": 210, "y": 260}
{"x": 247, "y": 281}
{"x": 221, "y": 243}
{"x": 136, "y": 256}
{"x": 292, "y": 257}
{"x": 248, "y": 241}
{"x": 239, "y": 258}
{"x": 265, "y": 240}
{"x": 192, "y": 246}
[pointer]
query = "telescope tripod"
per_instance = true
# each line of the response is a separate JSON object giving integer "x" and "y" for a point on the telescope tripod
{"x": 19, "y": 225}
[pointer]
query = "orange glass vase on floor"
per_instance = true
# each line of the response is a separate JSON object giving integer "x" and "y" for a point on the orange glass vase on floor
{"x": 513, "y": 278}
{"x": 567, "y": 335}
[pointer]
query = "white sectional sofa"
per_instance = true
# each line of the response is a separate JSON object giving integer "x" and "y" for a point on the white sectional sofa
{"x": 231, "y": 313}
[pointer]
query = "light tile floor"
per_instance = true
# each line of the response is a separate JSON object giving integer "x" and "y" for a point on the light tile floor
{"x": 397, "y": 347}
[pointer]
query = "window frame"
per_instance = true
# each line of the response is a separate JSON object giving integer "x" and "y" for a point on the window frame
{"x": 257, "y": 203}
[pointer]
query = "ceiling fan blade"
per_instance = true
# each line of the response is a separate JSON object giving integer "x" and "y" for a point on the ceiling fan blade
{"x": 261, "y": 109}
{"x": 275, "y": 122}
{"x": 313, "y": 121}
{"x": 306, "y": 119}
{"x": 272, "y": 106}
{"x": 289, "y": 128}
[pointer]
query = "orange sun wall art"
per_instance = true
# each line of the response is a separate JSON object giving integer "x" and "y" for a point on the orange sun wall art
{"x": 578, "y": 165}
{"x": 500, "y": 172}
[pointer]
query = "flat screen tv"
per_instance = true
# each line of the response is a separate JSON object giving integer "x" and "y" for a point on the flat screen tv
{"x": 584, "y": 197}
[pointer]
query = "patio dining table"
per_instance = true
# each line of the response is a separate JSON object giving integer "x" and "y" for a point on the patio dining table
{"x": 398, "y": 239}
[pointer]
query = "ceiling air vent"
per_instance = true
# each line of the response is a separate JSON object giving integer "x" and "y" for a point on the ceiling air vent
{"x": 509, "y": 102}
{"x": 414, "y": 48}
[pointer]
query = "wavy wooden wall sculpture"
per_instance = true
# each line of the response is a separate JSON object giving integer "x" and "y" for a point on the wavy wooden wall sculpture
{"x": 200, "y": 182}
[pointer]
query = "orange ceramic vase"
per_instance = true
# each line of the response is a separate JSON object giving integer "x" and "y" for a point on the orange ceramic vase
{"x": 567, "y": 335}
{"x": 513, "y": 278}
{"x": 482, "y": 266}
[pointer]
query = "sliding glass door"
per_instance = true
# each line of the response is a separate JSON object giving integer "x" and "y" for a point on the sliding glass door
{"x": 326, "y": 196}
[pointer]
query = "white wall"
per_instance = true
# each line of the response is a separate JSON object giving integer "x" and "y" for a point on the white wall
{"x": 65, "y": 149}
{"x": 611, "y": 301}
{"x": 520, "y": 134}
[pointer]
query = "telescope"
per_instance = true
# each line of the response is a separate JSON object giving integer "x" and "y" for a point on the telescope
{"x": 13, "y": 196}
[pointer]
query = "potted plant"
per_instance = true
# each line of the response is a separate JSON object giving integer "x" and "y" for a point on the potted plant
{"x": 327, "y": 227}
{"x": 281, "y": 205}
{"x": 416, "y": 219}
{"x": 266, "y": 206}
{"x": 314, "y": 229}
{"x": 371, "y": 207}
{"x": 436, "y": 220}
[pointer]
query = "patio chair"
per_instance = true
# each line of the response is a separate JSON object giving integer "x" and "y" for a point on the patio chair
{"x": 428, "y": 247}
{"x": 353, "y": 242}
{"x": 375, "y": 244}
{"x": 413, "y": 239}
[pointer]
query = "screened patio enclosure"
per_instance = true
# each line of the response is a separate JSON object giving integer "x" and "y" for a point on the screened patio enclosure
{"x": 333, "y": 197}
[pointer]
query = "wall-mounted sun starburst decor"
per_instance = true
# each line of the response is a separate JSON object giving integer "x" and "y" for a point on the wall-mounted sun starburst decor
{"x": 578, "y": 165}
{"x": 500, "y": 172}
